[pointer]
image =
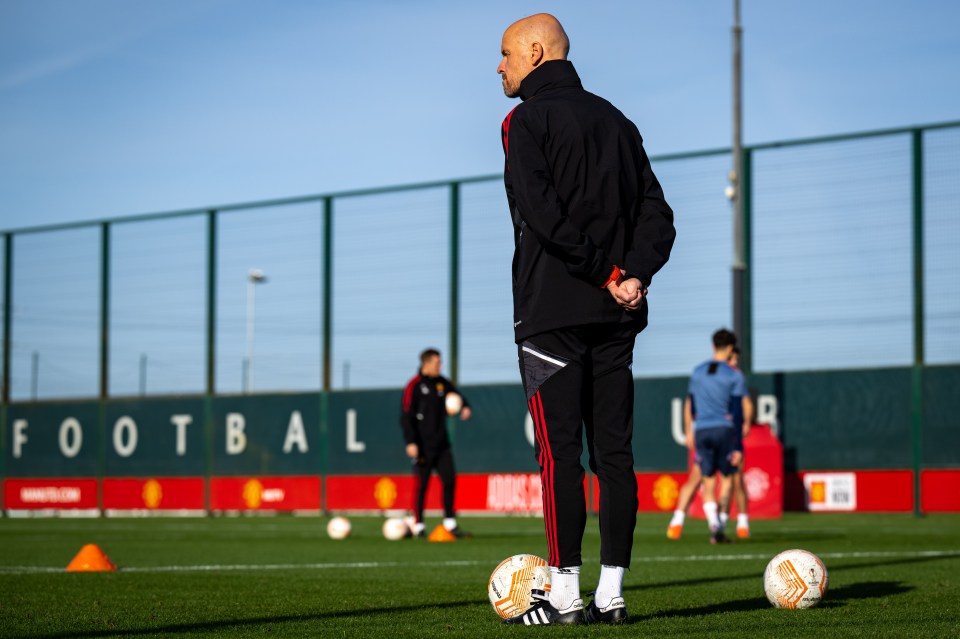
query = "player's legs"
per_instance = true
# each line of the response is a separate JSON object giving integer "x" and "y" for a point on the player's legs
{"x": 448, "y": 477}
{"x": 740, "y": 499}
{"x": 689, "y": 489}
{"x": 687, "y": 492}
{"x": 726, "y": 490}
{"x": 707, "y": 459}
{"x": 725, "y": 456}
{"x": 608, "y": 415}
{"x": 552, "y": 371}
{"x": 421, "y": 479}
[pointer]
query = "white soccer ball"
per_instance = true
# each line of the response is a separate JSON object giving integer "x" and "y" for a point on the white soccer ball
{"x": 339, "y": 528}
{"x": 395, "y": 528}
{"x": 795, "y": 579}
{"x": 454, "y": 403}
{"x": 512, "y": 581}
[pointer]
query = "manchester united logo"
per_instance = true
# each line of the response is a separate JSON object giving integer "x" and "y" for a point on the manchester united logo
{"x": 253, "y": 493}
{"x": 665, "y": 492}
{"x": 152, "y": 493}
{"x": 385, "y": 492}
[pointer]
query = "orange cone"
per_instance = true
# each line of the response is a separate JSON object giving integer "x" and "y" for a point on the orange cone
{"x": 441, "y": 534}
{"x": 91, "y": 559}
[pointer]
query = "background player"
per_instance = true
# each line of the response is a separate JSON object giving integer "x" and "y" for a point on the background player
{"x": 716, "y": 395}
{"x": 689, "y": 488}
{"x": 423, "y": 417}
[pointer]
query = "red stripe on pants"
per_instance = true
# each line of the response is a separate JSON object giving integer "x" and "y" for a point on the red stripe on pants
{"x": 546, "y": 479}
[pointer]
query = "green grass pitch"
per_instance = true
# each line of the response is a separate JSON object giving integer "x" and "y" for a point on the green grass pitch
{"x": 890, "y": 576}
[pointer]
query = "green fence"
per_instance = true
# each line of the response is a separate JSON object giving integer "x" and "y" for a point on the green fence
{"x": 852, "y": 264}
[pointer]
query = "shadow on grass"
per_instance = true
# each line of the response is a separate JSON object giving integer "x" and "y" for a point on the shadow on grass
{"x": 837, "y": 597}
{"x": 223, "y": 624}
{"x": 832, "y": 568}
{"x": 864, "y": 590}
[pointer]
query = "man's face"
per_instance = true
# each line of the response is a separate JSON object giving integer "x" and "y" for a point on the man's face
{"x": 431, "y": 367}
{"x": 515, "y": 65}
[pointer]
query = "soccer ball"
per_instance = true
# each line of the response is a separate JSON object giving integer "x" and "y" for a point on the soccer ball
{"x": 338, "y": 528}
{"x": 512, "y": 581}
{"x": 453, "y": 403}
{"x": 395, "y": 528}
{"x": 795, "y": 579}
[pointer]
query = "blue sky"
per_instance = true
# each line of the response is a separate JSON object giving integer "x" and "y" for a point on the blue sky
{"x": 111, "y": 108}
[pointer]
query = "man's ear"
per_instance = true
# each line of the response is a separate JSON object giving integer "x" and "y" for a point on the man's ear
{"x": 536, "y": 53}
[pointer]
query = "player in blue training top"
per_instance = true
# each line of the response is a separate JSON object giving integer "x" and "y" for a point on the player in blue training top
{"x": 717, "y": 391}
{"x": 690, "y": 488}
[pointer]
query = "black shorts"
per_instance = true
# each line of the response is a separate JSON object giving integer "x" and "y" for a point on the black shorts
{"x": 714, "y": 448}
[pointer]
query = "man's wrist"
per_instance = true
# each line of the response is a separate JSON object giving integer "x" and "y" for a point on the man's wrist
{"x": 614, "y": 276}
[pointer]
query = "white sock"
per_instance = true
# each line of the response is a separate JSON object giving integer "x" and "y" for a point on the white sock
{"x": 450, "y": 523}
{"x": 678, "y": 518}
{"x": 710, "y": 510}
{"x": 610, "y": 585}
{"x": 743, "y": 521}
{"x": 564, "y": 586}
{"x": 723, "y": 518}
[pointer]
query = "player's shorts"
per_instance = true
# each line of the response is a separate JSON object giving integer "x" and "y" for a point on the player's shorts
{"x": 714, "y": 447}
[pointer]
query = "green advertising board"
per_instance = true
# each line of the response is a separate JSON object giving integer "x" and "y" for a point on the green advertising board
{"x": 53, "y": 439}
{"x": 160, "y": 437}
{"x": 266, "y": 435}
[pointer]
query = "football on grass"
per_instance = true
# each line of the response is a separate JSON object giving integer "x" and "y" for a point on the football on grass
{"x": 395, "y": 528}
{"x": 512, "y": 581}
{"x": 795, "y": 579}
{"x": 339, "y": 528}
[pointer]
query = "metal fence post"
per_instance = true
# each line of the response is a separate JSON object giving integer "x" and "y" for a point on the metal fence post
{"x": 746, "y": 293}
{"x": 5, "y": 388}
{"x": 454, "y": 282}
{"x": 327, "y": 292}
{"x": 104, "y": 310}
{"x": 7, "y": 313}
{"x": 104, "y": 354}
{"x": 918, "y": 319}
{"x": 211, "y": 385}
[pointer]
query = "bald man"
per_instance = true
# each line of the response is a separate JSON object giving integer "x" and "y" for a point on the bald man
{"x": 591, "y": 228}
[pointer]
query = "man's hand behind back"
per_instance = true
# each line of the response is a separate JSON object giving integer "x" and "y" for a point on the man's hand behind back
{"x": 628, "y": 293}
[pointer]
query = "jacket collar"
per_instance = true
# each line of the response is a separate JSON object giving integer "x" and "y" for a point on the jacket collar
{"x": 553, "y": 74}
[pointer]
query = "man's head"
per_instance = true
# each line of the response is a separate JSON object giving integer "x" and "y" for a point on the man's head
{"x": 734, "y": 358}
{"x": 724, "y": 342}
{"x": 430, "y": 362}
{"x": 528, "y": 43}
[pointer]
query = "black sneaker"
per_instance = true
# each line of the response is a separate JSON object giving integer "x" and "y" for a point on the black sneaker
{"x": 422, "y": 534}
{"x": 615, "y": 613}
{"x": 717, "y": 537}
{"x": 544, "y": 614}
{"x": 460, "y": 533}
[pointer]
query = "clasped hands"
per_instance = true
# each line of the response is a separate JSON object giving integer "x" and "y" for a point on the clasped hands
{"x": 628, "y": 293}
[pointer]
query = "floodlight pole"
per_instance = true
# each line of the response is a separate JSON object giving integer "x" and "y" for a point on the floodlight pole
{"x": 254, "y": 277}
{"x": 738, "y": 183}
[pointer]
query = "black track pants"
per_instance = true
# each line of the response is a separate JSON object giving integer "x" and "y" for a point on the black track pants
{"x": 581, "y": 377}
{"x": 443, "y": 462}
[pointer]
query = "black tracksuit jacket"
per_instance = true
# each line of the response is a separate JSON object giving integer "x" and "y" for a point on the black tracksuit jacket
{"x": 583, "y": 198}
{"x": 423, "y": 413}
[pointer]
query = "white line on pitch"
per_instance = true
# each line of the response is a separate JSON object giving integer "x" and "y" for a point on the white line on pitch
{"x": 397, "y": 564}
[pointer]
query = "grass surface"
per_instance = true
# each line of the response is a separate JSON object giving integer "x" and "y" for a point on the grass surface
{"x": 890, "y": 575}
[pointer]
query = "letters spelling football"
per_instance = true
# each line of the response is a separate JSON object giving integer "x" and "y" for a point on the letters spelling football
{"x": 511, "y": 583}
